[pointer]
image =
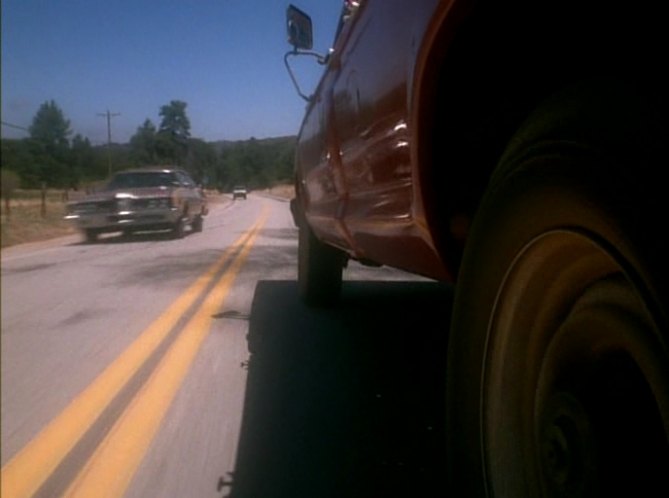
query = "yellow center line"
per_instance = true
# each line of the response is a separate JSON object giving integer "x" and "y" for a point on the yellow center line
{"x": 23, "y": 475}
{"x": 114, "y": 463}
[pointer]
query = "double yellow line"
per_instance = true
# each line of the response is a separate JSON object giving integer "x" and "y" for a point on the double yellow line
{"x": 113, "y": 464}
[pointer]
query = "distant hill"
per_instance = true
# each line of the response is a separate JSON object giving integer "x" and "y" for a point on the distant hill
{"x": 221, "y": 145}
{"x": 257, "y": 163}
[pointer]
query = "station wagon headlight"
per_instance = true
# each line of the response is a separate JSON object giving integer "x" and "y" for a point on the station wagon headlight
{"x": 124, "y": 204}
{"x": 84, "y": 208}
{"x": 159, "y": 203}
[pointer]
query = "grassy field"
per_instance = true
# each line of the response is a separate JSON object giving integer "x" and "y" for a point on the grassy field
{"x": 285, "y": 191}
{"x": 25, "y": 223}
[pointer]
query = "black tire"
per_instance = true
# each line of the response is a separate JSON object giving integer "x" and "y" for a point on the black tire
{"x": 198, "y": 223}
{"x": 91, "y": 235}
{"x": 320, "y": 268}
{"x": 179, "y": 230}
{"x": 558, "y": 366}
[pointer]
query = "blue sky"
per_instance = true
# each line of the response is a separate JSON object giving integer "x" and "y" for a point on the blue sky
{"x": 224, "y": 58}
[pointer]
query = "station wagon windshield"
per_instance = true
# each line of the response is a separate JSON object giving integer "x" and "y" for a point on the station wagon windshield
{"x": 142, "y": 180}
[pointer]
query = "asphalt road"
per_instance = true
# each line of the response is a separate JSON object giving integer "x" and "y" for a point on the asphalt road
{"x": 151, "y": 367}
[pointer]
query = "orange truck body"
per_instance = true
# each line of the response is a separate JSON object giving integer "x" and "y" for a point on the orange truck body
{"x": 516, "y": 149}
{"x": 417, "y": 103}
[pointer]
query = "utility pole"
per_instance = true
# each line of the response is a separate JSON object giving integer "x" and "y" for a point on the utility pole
{"x": 109, "y": 115}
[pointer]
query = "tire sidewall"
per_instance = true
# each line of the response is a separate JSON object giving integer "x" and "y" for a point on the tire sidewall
{"x": 575, "y": 189}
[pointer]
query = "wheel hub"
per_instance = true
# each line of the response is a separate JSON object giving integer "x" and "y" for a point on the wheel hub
{"x": 566, "y": 445}
{"x": 567, "y": 323}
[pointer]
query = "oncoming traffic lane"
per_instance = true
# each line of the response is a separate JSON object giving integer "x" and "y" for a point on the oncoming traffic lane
{"x": 32, "y": 468}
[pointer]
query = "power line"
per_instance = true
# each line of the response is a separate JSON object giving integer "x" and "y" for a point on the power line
{"x": 10, "y": 125}
{"x": 109, "y": 115}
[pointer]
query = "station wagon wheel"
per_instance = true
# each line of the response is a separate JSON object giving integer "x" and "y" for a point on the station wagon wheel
{"x": 558, "y": 381}
{"x": 91, "y": 235}
{"x": 179, "y": 229}
{"x": 320, "y": 268}
{"x": 198, "y": 223}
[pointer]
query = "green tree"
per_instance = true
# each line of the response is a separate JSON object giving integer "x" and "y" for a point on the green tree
{"x": 49, "y": 126}
{"x": 232, "y": 169}
{"x": 17, "y": 155}
{"x": 285, "y": 161}
{"x": 174, "y": 132}
{"x": 84, "y": 161}
{"x": 256, "y": 163}
{"x": 49, "y": 132}
{"x": 143, "y": 144}
{"x": 201, "y": 161}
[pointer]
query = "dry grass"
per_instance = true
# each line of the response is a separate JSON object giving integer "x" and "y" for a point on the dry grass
{"x": 25, "y": 222}
{"x": 285, "y": 191}
{"x": 214, "y": 197}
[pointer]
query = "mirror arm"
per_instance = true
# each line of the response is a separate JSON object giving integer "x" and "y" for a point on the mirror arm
{"x": 321, "y": 60}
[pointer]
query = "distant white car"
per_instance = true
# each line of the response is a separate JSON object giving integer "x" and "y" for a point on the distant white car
{"x": 239, "y": 192}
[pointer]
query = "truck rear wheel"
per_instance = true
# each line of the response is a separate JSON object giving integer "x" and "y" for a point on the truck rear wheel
{"x": 558, "y": 381}
{"x": 320, "y": 268}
